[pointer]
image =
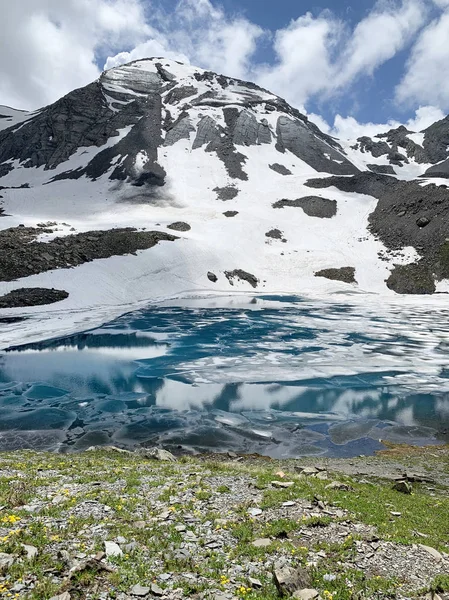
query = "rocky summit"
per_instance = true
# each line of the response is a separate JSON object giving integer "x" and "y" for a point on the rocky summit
{"x": 92, "y": 186}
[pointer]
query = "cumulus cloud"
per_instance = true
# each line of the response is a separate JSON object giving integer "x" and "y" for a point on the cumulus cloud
{"x": 200, "y": 33}
{"x": 425, "y": 80}
{"x": 348, "y": 128}
{"x": 49, "y": 47}
{"x": 303, "y": 67}
{"x": 323, "y": 55}
{"x": 379, "y": 37}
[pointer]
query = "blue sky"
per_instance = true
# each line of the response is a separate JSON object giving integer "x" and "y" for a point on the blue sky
{"x": 353, "y": 66}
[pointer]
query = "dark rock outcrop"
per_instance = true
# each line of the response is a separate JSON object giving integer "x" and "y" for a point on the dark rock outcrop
{"x": 436, "y": 141}
{"x": 32, "y": 297}
{"x": 23, "y": 256}
{"x": 242, "y": 276}
{"x": 212, "y": 277}
{"x": 226, "y": 193}
{"x": 275, "y": 234}
{"x": 231, "y": 213}
{"x": 179, "y": 226}
{"x": 415, "y": 278}
{"x": 280, "y": 169}
{"x": 382, "y": 169}
{"x": 344, "y": 274}
{"x": 313, "y": 206}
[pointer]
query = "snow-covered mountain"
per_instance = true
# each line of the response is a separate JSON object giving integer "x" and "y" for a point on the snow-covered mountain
{"x": 161, "y": 179}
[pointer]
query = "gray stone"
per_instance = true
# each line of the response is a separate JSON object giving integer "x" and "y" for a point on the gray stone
{"x": 140, "y": 591}
{"x": 306, "y": 594}
{"x": 414, "y": 278}
{"x": 254, "y": 512}
{"x": 422, "y": 221}
{"x": 207, "y": 132}
{"x": 156, "y": 590}
{"x": 31, "y": 551}
{"x": 307, "y": 470}
{"x": 254, "y": 583}
{"x": 432, "y": 552}
{"x": 288, "y": 580}
{"x": 64, "y": 596}
{"x": 180, "y": 131}
{"x": 157, "y": 454}
{"x": 262, "y": 543}
{"x": 283, "y": 484}
{"x": 112, "y": 549}
{"x": 338, "y": 485}
{"x": 212, "y": 277}
{"x": 228, "y": 192}
{"x": 58, "y": 499}
{"x": 242, "y": 276}
{"x": 6, "y": 560}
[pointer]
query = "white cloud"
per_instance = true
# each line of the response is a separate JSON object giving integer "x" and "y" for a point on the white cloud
{"x": 48, "y": 46}
{"x": 303, "y": 50}
{"x": 379, "y": 37}
{"x": 425, "y": 80}
{"x": 200, "y": 33}
{"x": 348, "y": 128}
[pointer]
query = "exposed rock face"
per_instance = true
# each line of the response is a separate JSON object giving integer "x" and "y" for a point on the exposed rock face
{"x": 407, "y": 214}
{"x": 436, "y": 141}
{"x": 313, "y": 206}
{"x": 345, "y": 274}
{"x": 23, "y": 257}
{"x": 180, "y": 130}
{"x": 294, "y": 136}
{"x": 243, "y": 276}
{"x": 32, "y": 297}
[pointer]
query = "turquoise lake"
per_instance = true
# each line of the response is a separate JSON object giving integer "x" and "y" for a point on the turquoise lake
{"x": 280, "y": 376}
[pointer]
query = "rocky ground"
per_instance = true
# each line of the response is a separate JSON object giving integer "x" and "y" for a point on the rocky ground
{"x": 114, "y": 524}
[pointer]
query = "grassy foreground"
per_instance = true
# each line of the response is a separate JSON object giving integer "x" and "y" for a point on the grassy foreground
{"x": 106, "y": 524}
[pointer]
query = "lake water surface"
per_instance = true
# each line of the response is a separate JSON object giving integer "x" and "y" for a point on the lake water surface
{"x": 281, "y": 376}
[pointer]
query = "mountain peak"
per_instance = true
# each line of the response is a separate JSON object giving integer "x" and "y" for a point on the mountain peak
{"x": 258, "y": 196}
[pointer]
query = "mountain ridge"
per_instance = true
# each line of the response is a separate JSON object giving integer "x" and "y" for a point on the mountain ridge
{"x": 156, "y": 143}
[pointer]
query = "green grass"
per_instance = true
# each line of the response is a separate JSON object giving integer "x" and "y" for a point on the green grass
{"x": 31, "y": 477}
